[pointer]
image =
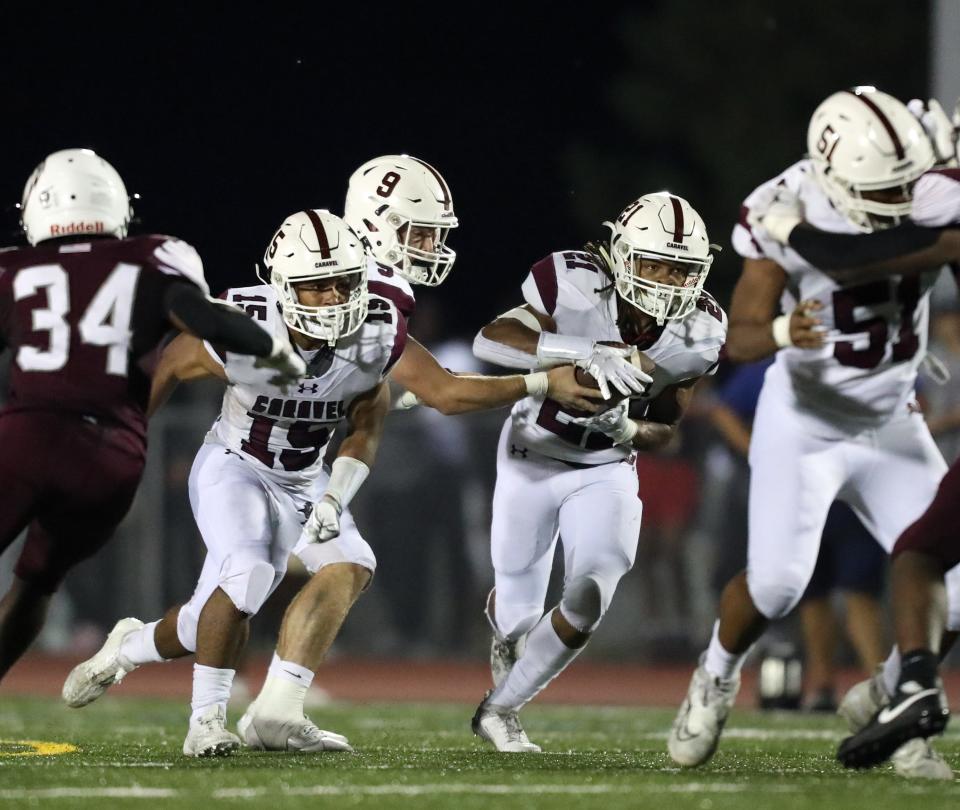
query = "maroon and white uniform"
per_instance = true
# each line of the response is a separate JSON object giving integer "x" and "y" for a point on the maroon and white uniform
{"x": 260, "y": 469}
{"x": 839, "y": 422}
{"x": 557, "y": 479}
{"x": 84, "y": 321}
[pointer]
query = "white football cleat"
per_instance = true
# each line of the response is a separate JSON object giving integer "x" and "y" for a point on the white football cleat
{"x": 502, "y": 728}
{"x": 208, "y": 735}
{"x": 503, "y": 655}
{"x": 87, "y": 681}
{"x": 696, "y": 731}
{"x": 863, "y": 700}
{"x": 276, "y": 734}
{"x": 915, "y": 759}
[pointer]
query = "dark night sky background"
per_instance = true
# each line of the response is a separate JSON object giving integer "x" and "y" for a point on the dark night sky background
{"x": 545, "y": 118}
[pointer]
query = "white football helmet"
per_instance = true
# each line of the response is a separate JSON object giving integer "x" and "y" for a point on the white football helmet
{"x": 863, "y": 141}
{"x": 663, "y": 228}
{"x": 74, "y": 192}
{"x": 311, "y": 245}
{"x": 388, "y": 197}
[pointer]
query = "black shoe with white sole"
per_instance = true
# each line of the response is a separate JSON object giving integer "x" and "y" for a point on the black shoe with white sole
{"x": 913, "y": 712}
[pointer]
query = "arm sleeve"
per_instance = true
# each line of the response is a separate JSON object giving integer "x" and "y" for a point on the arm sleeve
{"x": 839, "y": 251}
{"x": 215, "y": 322}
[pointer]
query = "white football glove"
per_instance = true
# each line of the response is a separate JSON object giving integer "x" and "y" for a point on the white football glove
{"x": 777, "y": 210}
{"x": 611, "y": 365}
{"x": 615, "y": 423}
{"x": 324, "y": 521}
{"x": 284, "y": 359}
{"x": 940, "y": 129}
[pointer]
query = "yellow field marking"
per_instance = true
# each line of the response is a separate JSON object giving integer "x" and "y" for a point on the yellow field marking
{"x": 39, "y": 748}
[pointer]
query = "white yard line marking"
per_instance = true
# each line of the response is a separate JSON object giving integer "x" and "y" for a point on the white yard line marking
{"x": 398, "y": 789}
{"x": 91, "y": 793}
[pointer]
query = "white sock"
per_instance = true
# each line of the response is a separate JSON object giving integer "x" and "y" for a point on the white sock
{"x": 718, "y": 662}
{"x": 285, "y": 689}
{"x": 891, "y": 671}
{"x": 545, "y": 657}
{"x": 211, "y": 687}
{"x": 139, "y": 647}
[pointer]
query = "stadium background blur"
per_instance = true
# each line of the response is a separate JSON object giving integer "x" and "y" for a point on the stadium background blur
{"x": 545, "y": 119}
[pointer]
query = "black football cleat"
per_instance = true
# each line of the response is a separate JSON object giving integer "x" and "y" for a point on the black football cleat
{"x": 920, "y": 713}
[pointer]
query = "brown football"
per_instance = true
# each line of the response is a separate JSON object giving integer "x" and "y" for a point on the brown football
{"x": 587, "y": 380}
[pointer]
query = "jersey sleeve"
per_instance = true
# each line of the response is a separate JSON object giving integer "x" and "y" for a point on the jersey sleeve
{"x": 540, "y": 288}
{"x": 174, "y": 257}
{"x": 743, "y": 239}
{"x": 936, "y": 198}
{"x": 398, "y": 345}
{"x": 385, "y": 282}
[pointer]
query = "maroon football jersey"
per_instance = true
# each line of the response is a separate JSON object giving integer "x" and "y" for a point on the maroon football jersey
{"x": 84, "y": 321}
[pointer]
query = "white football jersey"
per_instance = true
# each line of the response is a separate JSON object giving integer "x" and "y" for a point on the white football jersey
{"x": 571, "y": 288}
{"x": 284, "y": 435}
{"x": 861, "y": 381}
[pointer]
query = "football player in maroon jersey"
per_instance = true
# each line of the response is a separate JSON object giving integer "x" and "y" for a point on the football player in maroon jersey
{"x": 84, "y": 310}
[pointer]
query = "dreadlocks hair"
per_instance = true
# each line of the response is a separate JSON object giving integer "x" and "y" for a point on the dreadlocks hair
{"x": 598, "y": 252}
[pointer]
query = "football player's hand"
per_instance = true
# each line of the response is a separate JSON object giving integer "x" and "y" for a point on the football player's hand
{"x": 614, "y": 423}
{"x": 563, "y": 387}
{"x": 939, "y": 128}
{"x": 289, "y": 365}
{"x": 324, "y": 521}
{"x": 777, "y": 210}
{"x": 806, "y": 329}
{"x": 611, "y": 365}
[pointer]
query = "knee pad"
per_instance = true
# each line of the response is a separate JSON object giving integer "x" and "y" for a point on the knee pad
{"x": 248, "y": 582}
{"x": 584, "y": 603}
{"x": 775, "y": 598}
{"x": 514, "y": 621}
{"x": 187, "y": 620}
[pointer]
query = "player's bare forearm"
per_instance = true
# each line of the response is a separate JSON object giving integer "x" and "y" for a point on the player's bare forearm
{"x": 752, "y": 310}
{"x": 748, "y": 342}
{"x": 418, "y": 371}
{"x": 652, "y": 435}
{"x": 368, "y": 413}
{"x": 663, "y": 416}
{"x": 184, "y": 358}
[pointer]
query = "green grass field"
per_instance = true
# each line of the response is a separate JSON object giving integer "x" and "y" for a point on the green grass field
{"x": 423, "y": 756}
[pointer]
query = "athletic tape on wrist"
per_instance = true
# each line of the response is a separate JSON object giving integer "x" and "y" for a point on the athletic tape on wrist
{"x": 537, "y": 383}
{"x": 781, "y": 331}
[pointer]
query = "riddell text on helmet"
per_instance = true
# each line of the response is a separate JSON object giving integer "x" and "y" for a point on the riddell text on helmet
{"x": 78, "y": 227}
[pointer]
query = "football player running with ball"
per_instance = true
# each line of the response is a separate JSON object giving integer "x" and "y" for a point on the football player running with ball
{"x": 568, "y": 474}
{"x": 259, "y": 477}
{"x": 402, "y": 207}
{"x": 837, "y": 417}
